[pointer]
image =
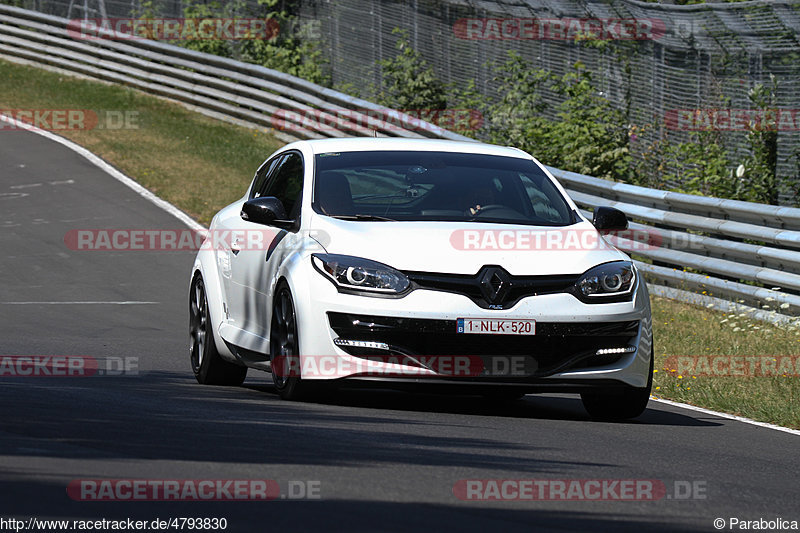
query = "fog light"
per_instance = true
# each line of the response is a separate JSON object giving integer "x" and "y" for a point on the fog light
{"x": 609, "y": 351}
{"x": 361, "y": 344}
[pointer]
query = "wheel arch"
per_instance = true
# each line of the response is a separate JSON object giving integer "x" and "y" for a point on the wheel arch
{"x": 292, "y": 273}
{"x": 214, "y": 295}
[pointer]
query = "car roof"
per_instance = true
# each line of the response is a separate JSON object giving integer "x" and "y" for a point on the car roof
{"x": 358, "y": 144}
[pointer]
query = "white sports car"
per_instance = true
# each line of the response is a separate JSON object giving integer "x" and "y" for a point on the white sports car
{"x": 396, "y": 262}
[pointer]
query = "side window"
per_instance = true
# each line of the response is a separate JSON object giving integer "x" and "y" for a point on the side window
{"x": 263, "y": 173}
{"x": 545, "y": 199}
{"x": 286, "y": 184}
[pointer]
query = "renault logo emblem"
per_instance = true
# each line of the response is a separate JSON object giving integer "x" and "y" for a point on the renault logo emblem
{"x": 494, "y": 283}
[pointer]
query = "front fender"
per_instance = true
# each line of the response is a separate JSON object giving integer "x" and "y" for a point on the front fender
{"x": 205, "y": 265}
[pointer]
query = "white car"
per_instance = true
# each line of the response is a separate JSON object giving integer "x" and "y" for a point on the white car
{"x": 397, "y": 262}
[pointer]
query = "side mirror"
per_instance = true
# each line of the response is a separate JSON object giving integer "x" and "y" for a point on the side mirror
{"x": 266, "y": 210}
{"x": 609, "y": 219}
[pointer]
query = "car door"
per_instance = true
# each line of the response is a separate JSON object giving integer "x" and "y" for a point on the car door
{"x": 229, "y": 241}
{"x": 254, "y": 266}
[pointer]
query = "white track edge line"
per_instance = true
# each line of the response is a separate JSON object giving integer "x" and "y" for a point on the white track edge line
{"x": 726, "y": 415}
{"x": 189, "y": 221}
{"x": 108, "y": 169}
{"x": 127, "y": 302}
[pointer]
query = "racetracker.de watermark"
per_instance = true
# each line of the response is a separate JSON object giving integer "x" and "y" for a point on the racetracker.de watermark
{"x": 67, "y": 366}
{"x": 192, "y": 490}
{"x": 336, "y": 366}
{"x": 554, "y": 239}
{"x": 734, "y": 365}
{"x": 559, "y": 29}
{"x": 579, "y": 490}
{"x": 175, "y": 240}
{"x": 386, "y": 120}
{"x": 478, "y": 240}
{"x": 68, "y": 119}
{"x": 175, "y": 29}
{"x": 714, "y": 119}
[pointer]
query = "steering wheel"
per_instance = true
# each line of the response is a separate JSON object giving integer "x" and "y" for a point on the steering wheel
{"x": 490, "y": 207}
{"x": 499, "y": 211}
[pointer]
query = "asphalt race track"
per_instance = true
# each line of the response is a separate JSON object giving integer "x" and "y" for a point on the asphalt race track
{"x": 382, "y": 461}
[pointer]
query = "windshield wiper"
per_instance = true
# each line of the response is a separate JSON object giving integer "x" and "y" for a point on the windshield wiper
{"x": 364, "y": 217}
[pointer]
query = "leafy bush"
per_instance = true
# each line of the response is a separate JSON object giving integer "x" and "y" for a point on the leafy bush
{"x": 516, "y": 117}
{"x": 408, "y": 81}
{"x": 286, "y": 51}
{"x": 588, "y": 136}
{"x": 200, "y": 10}
{"x": 761, "y": 165}
{"x": 703, "y": 166}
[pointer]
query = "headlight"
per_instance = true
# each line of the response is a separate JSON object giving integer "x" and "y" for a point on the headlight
{"x": 358, "y": 274}
{"x": 610, "y": 282}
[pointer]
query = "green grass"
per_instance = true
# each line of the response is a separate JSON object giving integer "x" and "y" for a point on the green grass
{"x": 684, "y": 330}
{"x": 200, "y": 165}
{"x": 195, "y": 162}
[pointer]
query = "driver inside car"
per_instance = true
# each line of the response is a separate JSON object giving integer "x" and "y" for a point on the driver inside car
{"x": 478, "y": 197}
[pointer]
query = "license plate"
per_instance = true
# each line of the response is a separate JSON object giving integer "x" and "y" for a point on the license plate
{"x": 497, "y": 326}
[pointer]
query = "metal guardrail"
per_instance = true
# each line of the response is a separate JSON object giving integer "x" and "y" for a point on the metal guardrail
{"x": 738, "y": 250}
{"x": 247, "y": 92}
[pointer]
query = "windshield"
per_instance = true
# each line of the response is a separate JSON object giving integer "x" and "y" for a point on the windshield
{"x": 394, "y": 185}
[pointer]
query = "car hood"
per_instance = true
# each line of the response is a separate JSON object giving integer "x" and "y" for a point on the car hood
{"x": 465, "y": 247}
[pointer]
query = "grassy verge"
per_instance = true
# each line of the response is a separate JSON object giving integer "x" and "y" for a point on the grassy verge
{"x": 708, "y": 337}
{"x": 200, "y": 165}
{"x": 192, "y": 161}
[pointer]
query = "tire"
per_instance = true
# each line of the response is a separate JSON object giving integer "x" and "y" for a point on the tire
{"x": 208, "y": 366}
{"x": 284, "y": 350}
{"x": 629, "y": 404}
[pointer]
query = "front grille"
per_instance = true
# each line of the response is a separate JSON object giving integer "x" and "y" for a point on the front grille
{"x": 492, "y": 287}
{"x": 557, "y": 346}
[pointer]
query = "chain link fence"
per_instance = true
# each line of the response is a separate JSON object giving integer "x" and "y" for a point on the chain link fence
{"x": 661, "y": 63}
{"x": 662, "y": 60}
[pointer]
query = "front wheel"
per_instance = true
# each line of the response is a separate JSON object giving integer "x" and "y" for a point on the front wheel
{"x": 284, "y": 349}
{"x": 208, "y": 366}
{"x": 622, "y": 406}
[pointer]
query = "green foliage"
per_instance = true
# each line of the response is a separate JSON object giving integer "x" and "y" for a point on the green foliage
{"x": 702, "y": 166}
{"x": 794, "y": 183}
{"x": 591, "y": 134}
{"x": 472, "y": 106}
{"x": 652, "y": 158}
{"x": 194, "y": 9}
{"x": 348, "y": 88}
{"x": 761, "y": 165}
{"x": 408, "y": 81}
{"x": 588, "y": 136}
{"x": 516, "y": 117}
{"x": 148, "y": 9}
{"x": 286, "y": 51}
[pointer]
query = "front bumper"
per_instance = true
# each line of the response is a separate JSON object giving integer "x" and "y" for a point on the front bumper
{"x": 562, "y": 356}
{"x": 556, "y": 346}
